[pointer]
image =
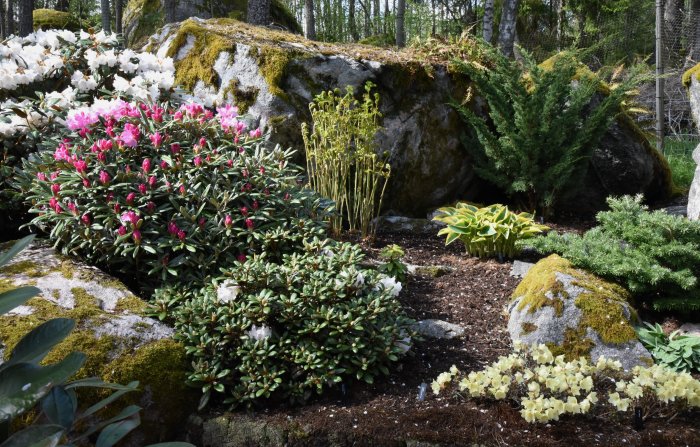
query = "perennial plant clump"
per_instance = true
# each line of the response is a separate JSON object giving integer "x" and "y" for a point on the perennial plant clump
{"x": 547, "y": 387}
{"x": 158, "y": 190}
{"x": 286, "y": 330}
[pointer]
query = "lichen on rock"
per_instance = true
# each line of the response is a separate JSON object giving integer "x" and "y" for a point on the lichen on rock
{"x": 575, "y": 313}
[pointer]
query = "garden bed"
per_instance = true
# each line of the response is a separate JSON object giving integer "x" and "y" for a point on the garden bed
{"x": 471, "y": 294}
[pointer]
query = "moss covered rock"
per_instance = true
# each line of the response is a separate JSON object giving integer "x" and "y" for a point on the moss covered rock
{"x": 274, "y": 75}
{"x": 121, "y": 344}
{"x": 143, "y": 17}
{"x": 52, "y": 19}
{"x": 691, "y": 79}
{"x": 575, "y": 314}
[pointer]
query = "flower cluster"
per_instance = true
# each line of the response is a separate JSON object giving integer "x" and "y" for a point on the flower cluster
{"x": 548, "y": 387}
{"x": 180, "y": 190}
{"x": 291, "y": 328}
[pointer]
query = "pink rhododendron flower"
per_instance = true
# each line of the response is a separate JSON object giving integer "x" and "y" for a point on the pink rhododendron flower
{"x": 150, "y": 206}
{"x": 41, "y": 176}
{"x": 182, "y": 189}
{"x": 130, "y": 217}
{"x": 229, "y": 163}
{"x": 62, "y": 153}
{"x": 228, "y": 220}
{"x": 136, "y": 234}
{"x": 172, "y": 228}
{"x": 241, "y": 257}
{"x": 86, "y": 219}
{"x": 262, "y": 170}
{"x": 192, "y": 109}
{"x": 255, "y": 204}
{"x": 81, "y": 120}
{"x": 102, "y": 157}
{"x": 181, "y": 235}
{"x": 104, "y": 177}
{"x": 244, "y": 211}
{"x": 156, "y": 139}
{"x": 201, "y": 222}
{"x": 86, "y": 183}
{"x": 146, "y": 165}
{"x": 249, "y": 224}
{"x": 177, "y": 116}
{"x": 164, "y": 164}
{"x": 55, "y": 188}
{"x": 101, "y": 145}
{"x": 197, "y": 160}
{"x": 73, "y": 208}
{"x": 175, "y": 148}
{"x": 110, "y": 197}
{"x": 152, "y": 181}
{"x": 117, "y": 208}
{"x": 130, "y": 135}
{"x": 121, "y": 231}
{"x": 142, "y": 188}
{"x": 53, "y": 203}
{"x": 130, "y": 198}
{"x": 257, "y": 133}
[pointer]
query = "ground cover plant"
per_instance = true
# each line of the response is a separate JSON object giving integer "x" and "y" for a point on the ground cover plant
{"x": 656, "y": 256}
{"x": 676, "y": 351}
{"x": 547, "y": 387}
{"x": 543, "y": 126}
{"x": 490, "y": 231}
{"x": 290, "y": 329}
{"x": 167, "y": 191}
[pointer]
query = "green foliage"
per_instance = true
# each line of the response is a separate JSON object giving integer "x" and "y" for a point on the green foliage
{"x": 679, "y": 154}
{"x": 184, "y": 198}
{"x": 51, "y": 19}
{"x": 675, "y": 351}
{"x": 544, "y": 125}
{"x": 393, "y": 266}
{"x": 27, "y": 384}
{"x": 342, "y": 162}
{"x": 491, "y": 231}
{"x": 286, "y": 330}
{"x": 656, "y": 256}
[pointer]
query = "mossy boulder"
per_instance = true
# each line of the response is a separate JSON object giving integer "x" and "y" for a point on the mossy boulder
{"x": 274, "y": 75}
{"x": 143, "y": 17}
{"x": 576, "y": 314}
{"x": 121, "y": 344}
{"x": 51, "y": 19}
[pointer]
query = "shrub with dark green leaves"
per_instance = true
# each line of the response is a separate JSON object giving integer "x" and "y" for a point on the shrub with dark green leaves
{"x": 653, "y": 254}
{"x": 393, "y": 265}
{"x": 161, "y": 191}
{"x": 284, "y": 331}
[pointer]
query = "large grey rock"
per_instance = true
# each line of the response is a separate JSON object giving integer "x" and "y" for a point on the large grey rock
{"x": 690, "y": 329}
{"x": 275, "y": 75}
{"x": 121, "y": 343}
{"x": 693, "y": 85}
{"x": 694, "y": 194}
{"x": 576, "y": 314}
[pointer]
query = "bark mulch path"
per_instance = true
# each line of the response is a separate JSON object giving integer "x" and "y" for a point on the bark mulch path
{"x": 473, "y": 294}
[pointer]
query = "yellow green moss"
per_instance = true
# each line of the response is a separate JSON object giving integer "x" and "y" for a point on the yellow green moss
{"x": 243, "y": 99}
{"x": 689, "y": 74}
{"x": 199, "y": 62}
{"x": 575, "y": 345}
{"x": 603, "y": 311}
{"x": 540, "y": 280}
{"x": 273, "y": 63}
{"x": 26, "y": 268}
{"x": 51, "y": 19}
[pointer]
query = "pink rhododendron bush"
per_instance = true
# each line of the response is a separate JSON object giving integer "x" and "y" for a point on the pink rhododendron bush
{"x": 167, "y": 191}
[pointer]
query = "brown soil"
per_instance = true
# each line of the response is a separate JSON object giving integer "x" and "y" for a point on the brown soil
{"x": 388, "y": 413}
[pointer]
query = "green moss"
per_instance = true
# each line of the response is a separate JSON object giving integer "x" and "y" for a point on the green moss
{"x": 243, "y": 99}
{"x": 541, "y": 281}
{"x": 576, "y": 344}
{"x": 161, "y": 368}
{"x": 273, "y": 63}
{"x": 199, "y": 62}
{"x": 688, "y": 75}
{"x": 27, "y": 268}
{"x": 528, "y": 328}
{"x": 51, "y": 19}
{"x": 603, "y": 312}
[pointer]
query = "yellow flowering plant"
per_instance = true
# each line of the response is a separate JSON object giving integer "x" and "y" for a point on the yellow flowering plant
{"x": 548, "y": 386}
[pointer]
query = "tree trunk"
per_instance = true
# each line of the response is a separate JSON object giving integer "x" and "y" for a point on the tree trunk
{"x": 106, "y": 19}
{"x": 62, "y": 5}
{"x": 506, "y": 31}
{"x": 351, "y": 21}
{"x": 694, "y": 33}
{"x": 3, "y": 21}
{"x": 488, "y": 21}
{"x": 118, "y": 12}
{"x": 400, "y": 23}
{"x": 9, "y": 17}
{"x": 559, "y": 31}
{"x": 433, "y": 30}
{"x": 259, "y": 12}
{"x": 309, "y": 20}
{"x": 26, "y": 22}
{"x": 377, "y": 26}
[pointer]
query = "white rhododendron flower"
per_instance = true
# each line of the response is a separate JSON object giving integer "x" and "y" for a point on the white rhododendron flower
{"x": 227, "y": 291}
{"x": 259, "y": 332}
{"x": 389, "y": 283}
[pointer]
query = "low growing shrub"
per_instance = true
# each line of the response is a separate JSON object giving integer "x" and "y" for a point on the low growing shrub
{"x": 151, "y": 189}
{"x": 491, "y": 231}
{"x": 393, "y": 265}
{"x": 676, "y": 351}
{"x": 547, "y": 387}
{"x": 656, "y": 256}
{"x": 268, "y": 330}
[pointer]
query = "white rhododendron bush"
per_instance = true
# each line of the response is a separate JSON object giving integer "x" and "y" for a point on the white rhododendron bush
{"x": 547, "y": 387}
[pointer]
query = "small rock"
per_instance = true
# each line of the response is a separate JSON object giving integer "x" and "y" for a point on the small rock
{"x": 407, "y": 224}
{"x": 439, "y": 329}
{"x": 431, "y": 271}
{"x": 520, "y": 268}
{"x": 676, "y": 210}
{"x": 690, "y": 329}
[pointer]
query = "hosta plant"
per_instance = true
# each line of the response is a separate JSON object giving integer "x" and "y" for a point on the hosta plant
{"x": 547, "y": 387}
{"x": 676, "y": 351}
{"x": 286, "y": 330}
{"x": 28, "y": 384}
{"x": 164, "y": 191}
{"x": 491, "y": 231}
